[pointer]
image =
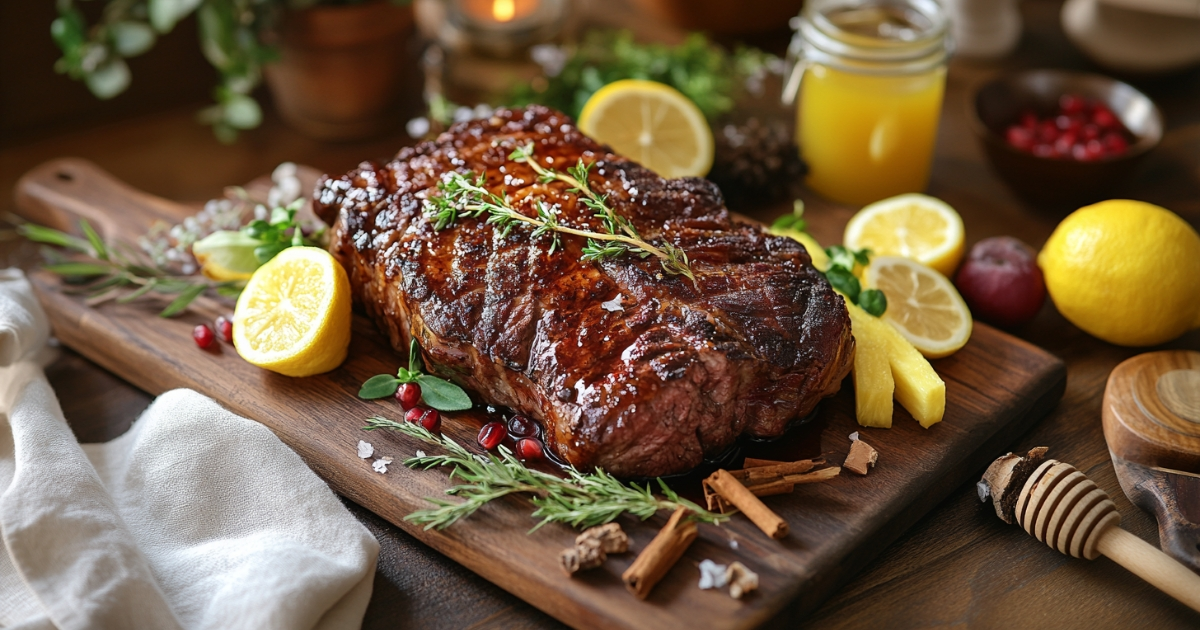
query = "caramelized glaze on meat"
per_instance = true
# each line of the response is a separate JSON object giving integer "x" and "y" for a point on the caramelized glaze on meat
{"x": 666, "y": 373}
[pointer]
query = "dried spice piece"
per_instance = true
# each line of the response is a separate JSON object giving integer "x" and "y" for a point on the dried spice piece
{"x": 611, "y": 537}
{"x": 732, "y": 492}
{"x": 586, "y": 555}
{"x": 593, "y": 546}
{"x": 741, "y": 580}
{"x": 1004, "y": 479}
{"x": 752, "y": 462}
{"x": 861, "y": 459}
{"x": 661, "y": 554}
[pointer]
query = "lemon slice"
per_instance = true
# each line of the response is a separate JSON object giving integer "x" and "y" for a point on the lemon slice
{"x": 921, "y": 304}
{"x": 651, "y": 123}
{"x": 227, "y": 255}
{"x": 914, "y": 226}
{"x": 293, "y": 317}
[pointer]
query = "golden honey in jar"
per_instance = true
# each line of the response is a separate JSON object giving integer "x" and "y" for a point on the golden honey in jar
{"x": 870, "y": 78}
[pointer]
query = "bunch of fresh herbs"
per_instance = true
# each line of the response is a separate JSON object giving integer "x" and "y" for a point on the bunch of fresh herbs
{"x": 703, "y": 71}
{"x": 577, "y": 499}
{"x": 114, "y": 271}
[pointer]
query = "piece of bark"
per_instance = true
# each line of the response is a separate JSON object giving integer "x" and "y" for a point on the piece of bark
{"x": 1005, "y": 478}
{"x": 611, "y": 537}
{"x": 586, "y": 555}
{"x": 741, "y": 580}
{"x": 661, "y": 554}
{"x": 862, "y": 458}
{"x": 732, "y": 492}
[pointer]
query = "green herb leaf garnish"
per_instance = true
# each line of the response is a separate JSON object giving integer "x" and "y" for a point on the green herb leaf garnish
{"x": 873, "y": 301}
{"x": 436, "y": 392}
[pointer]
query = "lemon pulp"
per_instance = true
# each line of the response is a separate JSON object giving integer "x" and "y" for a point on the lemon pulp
{"x": 914, "y": 226}
{"x": 651, "y": 123}
{"x": 293, "y": 317}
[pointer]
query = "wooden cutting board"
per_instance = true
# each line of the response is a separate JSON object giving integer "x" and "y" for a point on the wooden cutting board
{"x": 997, "y": 387}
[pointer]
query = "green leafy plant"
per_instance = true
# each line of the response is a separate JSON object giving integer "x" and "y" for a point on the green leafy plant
{"x": 117, "y": 272}
{"x": 577, "y": 499}
{"x": 436, "y": 392}
{"x": 232, "y": 38}
{"x": 704, "y": 72}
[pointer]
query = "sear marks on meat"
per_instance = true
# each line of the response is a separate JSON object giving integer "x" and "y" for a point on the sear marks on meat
{"x": 628, "y": 368}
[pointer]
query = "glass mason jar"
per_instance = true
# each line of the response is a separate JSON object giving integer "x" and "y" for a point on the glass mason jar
{"x": 869, "y": 76}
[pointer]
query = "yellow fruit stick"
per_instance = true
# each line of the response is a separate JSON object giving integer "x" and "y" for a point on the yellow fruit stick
{"x": 873, "y": 383}
{"x": 917, "y": 386}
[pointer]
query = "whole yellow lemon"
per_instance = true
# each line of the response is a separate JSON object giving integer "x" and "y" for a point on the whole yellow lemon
{"x": 1125, "y": 271}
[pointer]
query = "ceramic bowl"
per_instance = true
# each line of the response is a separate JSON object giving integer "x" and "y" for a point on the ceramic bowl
{"x": 1000, "y": 103}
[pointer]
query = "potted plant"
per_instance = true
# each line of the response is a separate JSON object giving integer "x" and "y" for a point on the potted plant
{"x": 335, "y": 67}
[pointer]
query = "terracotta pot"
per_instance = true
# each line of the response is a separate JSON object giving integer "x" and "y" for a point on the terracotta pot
{"x": 723, "y": 17}
{"x": 342, "y": 69}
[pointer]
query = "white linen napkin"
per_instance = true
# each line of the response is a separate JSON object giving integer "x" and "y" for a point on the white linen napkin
{"x": 195, "y": 518}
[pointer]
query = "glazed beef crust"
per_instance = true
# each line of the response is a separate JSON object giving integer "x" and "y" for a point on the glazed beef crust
{"x": 627, "y": 367}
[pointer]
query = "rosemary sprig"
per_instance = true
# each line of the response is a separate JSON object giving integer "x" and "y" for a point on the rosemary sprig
{"x": 465, "y": 195}
{"x": 579, "y": 499}
{"x": 107, "y": 269}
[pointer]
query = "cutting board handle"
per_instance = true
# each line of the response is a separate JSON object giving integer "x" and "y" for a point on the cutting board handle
{"x": 60, "y": 192}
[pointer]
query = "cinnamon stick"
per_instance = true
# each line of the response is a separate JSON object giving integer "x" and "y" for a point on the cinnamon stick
{"x": 775, "y": 471}
{"x": 660, "y": 555}
{"x": 732, "y": 491}
{"x": 752, "y": 462}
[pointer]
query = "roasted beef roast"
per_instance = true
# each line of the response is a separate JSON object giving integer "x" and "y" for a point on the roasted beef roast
{"x": 628, "y": 367}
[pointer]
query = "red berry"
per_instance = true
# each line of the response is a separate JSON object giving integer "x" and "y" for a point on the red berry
{"x": 492, "y": 434}
{"x": 1001, "y": 282}
{"x": 529, "y": 448}
{"x": 414, "y": 415}
{"x": 1047, "y": 131}
{"x": 522, "y": 427}
{"x": 1062, "y": 146}
{"x": 1043, "y": 150}
{"x": 1104, "y": 117}
{"x": 408, "y": 395}
{"x": 1091, "y": 132}
{"x": 1115, "y": 143}
{"x": 1071, "y": 104}
{"x": 1029, "y": 120}
{"x": 432, "y": 421}
{"x": 225, "y": 328}
{"x": 1094, "y": 150}
{"x": 203, "y": 335}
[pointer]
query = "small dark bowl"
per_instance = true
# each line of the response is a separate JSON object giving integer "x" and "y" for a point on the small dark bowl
{"x": 1061, "y": 181}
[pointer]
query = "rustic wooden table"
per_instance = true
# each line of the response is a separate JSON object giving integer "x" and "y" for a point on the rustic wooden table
{"x": 959, "y": 566}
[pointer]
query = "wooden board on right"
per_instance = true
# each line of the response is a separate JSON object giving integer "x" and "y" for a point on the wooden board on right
{"x": 997, "y": 387}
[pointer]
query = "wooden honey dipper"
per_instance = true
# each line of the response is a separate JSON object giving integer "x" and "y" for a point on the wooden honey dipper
{"x": 1061, "y": 507}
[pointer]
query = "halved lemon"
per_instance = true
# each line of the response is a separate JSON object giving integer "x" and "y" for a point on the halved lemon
{"x": 293, "y": 317}
{"x": 651, "y": 123}
{"x": 914, "y": 226}
{"x": 922, "y": 304}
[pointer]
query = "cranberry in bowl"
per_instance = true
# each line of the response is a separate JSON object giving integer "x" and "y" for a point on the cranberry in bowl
{"x": 1061, "y": 139}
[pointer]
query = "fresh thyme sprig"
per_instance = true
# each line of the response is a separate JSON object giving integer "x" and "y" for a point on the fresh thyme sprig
{"x": 465, "y": 195}
{"x": 579, "y": 499}
{"x": 108, "y": 269}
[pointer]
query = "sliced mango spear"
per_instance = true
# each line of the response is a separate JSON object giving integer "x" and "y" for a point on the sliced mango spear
{"x": 873, "y": 383}
{"x": 917, "y": 387}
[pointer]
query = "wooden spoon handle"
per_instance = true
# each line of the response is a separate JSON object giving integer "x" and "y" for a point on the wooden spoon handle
{"x": 1152, "y": 565}
{"x": 1174, "y": 499}
{"x": 60, "y": 192}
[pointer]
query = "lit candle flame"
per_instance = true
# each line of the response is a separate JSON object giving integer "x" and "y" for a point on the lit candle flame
{"x": 503, "y": 10}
